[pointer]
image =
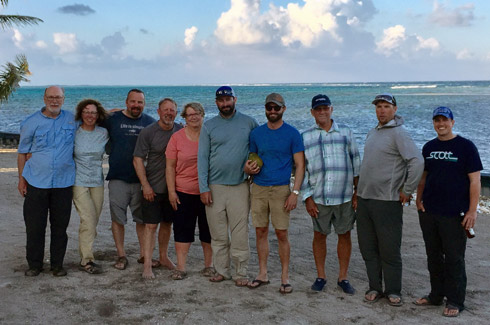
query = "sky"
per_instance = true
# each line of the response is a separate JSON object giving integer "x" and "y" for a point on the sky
{"x": 190, "y": 42}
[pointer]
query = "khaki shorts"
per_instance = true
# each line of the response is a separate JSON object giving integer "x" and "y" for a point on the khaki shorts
{"x": 341, "y": 216}
{"x": 267, "y": 200}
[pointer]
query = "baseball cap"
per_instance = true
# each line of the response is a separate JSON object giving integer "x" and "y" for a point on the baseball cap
{"x": 444, "y": 111}
{"x": 320, "y": 100}
{"x": 276, "y": 99}
{"x": 386, "y": 97}
{"x": 225, "y": 91}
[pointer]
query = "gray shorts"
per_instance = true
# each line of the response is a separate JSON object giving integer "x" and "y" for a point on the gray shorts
{"x": 342, "y": 217}
{"x": 122, "y": 195}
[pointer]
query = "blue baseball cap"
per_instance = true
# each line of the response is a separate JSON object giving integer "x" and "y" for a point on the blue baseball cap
{"x": 320, "y": 100}
{"x": 385, "y": 97}
{"x": 444, "y": 111}
{"x": 225, "y": 91}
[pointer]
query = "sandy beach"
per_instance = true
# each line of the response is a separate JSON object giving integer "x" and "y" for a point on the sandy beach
{"x": 123, "y": 297}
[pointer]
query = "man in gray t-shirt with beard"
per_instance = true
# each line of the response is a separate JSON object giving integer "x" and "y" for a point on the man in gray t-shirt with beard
{"x": 151, "y": 145}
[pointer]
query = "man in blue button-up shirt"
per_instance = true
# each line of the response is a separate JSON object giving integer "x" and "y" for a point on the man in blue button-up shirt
{"x": 46, "y": 179}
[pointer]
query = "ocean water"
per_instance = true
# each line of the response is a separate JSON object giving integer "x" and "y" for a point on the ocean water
{"x": 469, "y": 101}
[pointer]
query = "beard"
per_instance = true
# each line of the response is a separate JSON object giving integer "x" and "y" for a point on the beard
{"x": 275, "y": 118}
{"x": 227, "y": 111}
{"x": 135, "y": 112}
{"x": 54, "y": 110}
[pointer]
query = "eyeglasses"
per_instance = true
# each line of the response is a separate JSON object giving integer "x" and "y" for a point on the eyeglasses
{"x": 54, "y": 97}
{"x": 89, "y": 113}
{"x": 276, "y": 108}
{"x": 192, "y": 115}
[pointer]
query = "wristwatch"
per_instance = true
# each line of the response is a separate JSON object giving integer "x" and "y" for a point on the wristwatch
{"x": 296, "y": 192}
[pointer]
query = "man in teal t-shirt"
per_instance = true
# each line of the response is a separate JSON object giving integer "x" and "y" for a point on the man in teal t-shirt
{"x": 223, "y": 150}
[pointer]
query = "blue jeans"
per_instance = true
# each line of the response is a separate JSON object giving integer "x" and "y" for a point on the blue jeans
{"x": 38, "y": 202}
{"x": 445, "y": 244}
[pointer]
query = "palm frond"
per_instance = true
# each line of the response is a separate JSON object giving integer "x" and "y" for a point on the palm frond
{"x": 8, "y": 21}
{"x": 4, "y": 3}
{"x": 12, "y": 75}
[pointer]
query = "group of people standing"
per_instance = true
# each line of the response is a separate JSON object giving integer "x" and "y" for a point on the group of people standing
{"x": 214, "y": 173}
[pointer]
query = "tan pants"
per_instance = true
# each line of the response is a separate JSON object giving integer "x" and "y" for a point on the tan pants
{"x": 88, "y": 202}
{"x": 228, "y": 224}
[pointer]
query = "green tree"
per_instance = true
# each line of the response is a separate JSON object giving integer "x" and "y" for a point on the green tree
{"x": 13, "y": 73}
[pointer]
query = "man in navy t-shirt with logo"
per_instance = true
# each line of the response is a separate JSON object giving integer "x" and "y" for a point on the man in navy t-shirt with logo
{"x": 447, "y": 199}
{"x": 124, "y": 186}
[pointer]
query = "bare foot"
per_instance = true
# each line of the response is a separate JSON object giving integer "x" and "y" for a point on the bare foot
{"x": 241, "y": 282}
{"x": 148, "y": 274}
{"x": 167, "y": 263}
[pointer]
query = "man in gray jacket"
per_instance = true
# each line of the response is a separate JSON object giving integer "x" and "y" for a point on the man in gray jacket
{"x": 390, "y": 171}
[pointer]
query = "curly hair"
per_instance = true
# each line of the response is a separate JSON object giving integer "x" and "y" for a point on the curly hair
{"x": 102, "y": 114}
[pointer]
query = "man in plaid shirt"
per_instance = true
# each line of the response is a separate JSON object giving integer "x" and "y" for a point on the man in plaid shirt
{"x": 329, "y": 188}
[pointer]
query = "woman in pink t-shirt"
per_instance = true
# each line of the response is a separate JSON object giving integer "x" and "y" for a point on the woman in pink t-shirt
{"x": 183, "y": 191}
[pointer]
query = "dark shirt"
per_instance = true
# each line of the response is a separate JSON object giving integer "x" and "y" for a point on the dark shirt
{"x": 447, "y": 186}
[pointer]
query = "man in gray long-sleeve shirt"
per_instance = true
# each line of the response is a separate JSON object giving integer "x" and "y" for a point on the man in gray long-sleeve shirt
{"x": 223, "y": 150}
{"x": 390, "y": 171}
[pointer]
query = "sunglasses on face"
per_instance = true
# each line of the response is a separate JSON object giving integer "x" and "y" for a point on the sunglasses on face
{"x": 276, "y": 108}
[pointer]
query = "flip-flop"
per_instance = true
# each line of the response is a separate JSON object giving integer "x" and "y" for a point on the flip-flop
{"x": 395, "y": 303}
{"x": 179, "y": 275}
{"x": 426, "y": 301}
{"x": 121, "y": 263}
{"x": 257, "y": 283}
{"x": 377, "y": 296}
{"x": 285, "y": 288}
{"x": 450, "y": 307}
{"x": 154, "y": 263}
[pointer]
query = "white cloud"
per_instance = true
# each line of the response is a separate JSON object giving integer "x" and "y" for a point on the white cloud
{"x": 464, "y": 54}
{"x": 308, "y": 23}
{"x": 241, "y": 24}
{"x": 66, "y": 42}
{"x": 430, "y": 43}
{"x": 41, "y": 44}
{"x": 303, "y": 23}
{"x": 393, "y": 37}
{"x": 460, "y": 16}
{"x": 17, "y": 38}
{"x": 396, "y": 40}
{"x": 190, "y": 35}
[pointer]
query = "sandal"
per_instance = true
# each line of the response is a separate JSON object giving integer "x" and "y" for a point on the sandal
{"x": 121, "y": 263}
{"x": 376, "y": 296}
{"x": 450, "y": 308}
{"x": 90, "y": 268}
{"x": 426, "y": 301}
{"x": 285, "y": 288}
{"x": 179, "y": 275}
{"x": 208, "y": 271}
{"x": 395, "y": 300}
{"x": 154, "y": 263}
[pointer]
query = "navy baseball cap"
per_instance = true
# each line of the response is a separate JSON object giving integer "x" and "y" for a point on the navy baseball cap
{"x": 320, "y": 100}
{"x": 444, "y": 111}
{"x": 386, "y": 97}
{"x": 225, "y": 91}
